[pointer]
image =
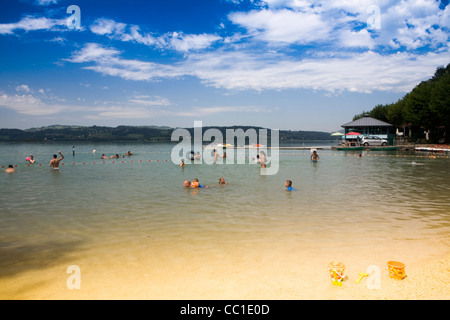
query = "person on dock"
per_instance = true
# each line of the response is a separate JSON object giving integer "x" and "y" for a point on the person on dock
{"x": 55, "y": 161}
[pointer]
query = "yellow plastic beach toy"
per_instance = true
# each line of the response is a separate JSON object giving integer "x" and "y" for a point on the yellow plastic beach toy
{"x": 361, "y": 275}
{"x": 396, "y": 270}
{"x": 336, "y": 270}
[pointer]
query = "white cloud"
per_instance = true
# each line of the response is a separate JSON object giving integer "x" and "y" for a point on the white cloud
{"x": 93, "y": 52}
{"x": 207, "y": 111}
{"x": 23, "y": 88}
{"x": 365, "y": 72}
{"x": 31, "y": 24}
{"x": 119, "y": 112}
{"x": 104, "y": 26}
{"x": 244, "y": 70}
{"x": 412, "y": 24}
{"x": 46, "y": 2}
{"x": 149, "y": 101}
{"x": 107, "y": 61}
{"x": 283, "y": 25}
{"x": 184, "y": 43}
{"x": 173, "y": 41}
{"x": 29, "y": 105}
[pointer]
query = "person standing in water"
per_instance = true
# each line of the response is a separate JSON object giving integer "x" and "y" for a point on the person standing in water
{"x": 314, "y": 156}
{"x": 55, "y": 161}
{"x": 263, "y": 159}
{"x": 30, "y": 159}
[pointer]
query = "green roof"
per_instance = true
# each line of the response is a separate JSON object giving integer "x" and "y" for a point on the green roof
{"x": 366, "y": 122}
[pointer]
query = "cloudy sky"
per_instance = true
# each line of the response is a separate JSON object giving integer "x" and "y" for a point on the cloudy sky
{"x": 285, "y": 64}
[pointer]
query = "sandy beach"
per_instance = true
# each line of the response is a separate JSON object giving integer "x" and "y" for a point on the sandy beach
{"x": 252, "y": 277}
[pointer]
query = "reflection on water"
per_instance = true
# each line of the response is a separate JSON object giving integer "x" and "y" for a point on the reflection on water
{"x": 103, "y": 209}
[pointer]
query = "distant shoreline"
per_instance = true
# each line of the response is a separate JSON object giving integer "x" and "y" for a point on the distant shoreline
{"x": 135, "y": 134}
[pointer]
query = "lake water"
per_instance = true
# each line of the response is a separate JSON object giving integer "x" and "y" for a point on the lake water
{"x": 134, "y": 231}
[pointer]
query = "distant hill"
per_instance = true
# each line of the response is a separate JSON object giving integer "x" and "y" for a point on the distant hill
{"x": 132, "y": 134}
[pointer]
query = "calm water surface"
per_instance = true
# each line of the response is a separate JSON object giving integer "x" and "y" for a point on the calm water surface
{"x": 93, "y": 212}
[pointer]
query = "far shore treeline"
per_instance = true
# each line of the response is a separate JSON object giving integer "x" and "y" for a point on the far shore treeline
{"x": 425, "y": 109}
{"x": 133, "y": 134}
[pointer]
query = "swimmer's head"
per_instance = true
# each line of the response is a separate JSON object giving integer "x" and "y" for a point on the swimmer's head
{"x": 10, "y": 166}
{"x": 187, "y": 183}
{"x": 288, "y": 183}
{"x": 195, "y": 180}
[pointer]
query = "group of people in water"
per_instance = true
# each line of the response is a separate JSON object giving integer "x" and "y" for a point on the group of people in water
{"x": 261, "y": 159}
{"x": 54, "y": 162}
{"x": 116, "y": 156}
{"x": 196, "y": 184}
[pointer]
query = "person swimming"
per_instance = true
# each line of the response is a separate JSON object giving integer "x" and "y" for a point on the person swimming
{"x": 182, "y": 164}
{"x": 222, "y": 181}
{"x": 187, "y": 183}
{"x": 104, "y": 157}
{"x": 288, "y": 185}
{"x": 196, "y": 184}
{"x": 10, "y": 169}
{"x": 128, "y": 154}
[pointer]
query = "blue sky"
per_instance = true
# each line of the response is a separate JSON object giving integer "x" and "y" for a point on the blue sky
{"x": 280, "y": 64}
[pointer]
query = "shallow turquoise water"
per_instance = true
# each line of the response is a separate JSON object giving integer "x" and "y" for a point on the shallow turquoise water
{"x": 380, "y": 200}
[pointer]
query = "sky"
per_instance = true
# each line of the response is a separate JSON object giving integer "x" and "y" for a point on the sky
{"x": 279, "y": 64}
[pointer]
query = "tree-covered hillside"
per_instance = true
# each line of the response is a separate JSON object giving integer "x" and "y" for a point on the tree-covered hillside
{"x": 134, "y": 134}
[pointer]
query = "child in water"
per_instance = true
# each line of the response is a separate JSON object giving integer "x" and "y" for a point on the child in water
{"x": 314, "y": 156}
{"x": 222, "y": 181}
{"x": 30, "y": 159}
{"x": 288, "y": 185}
{"x": 196, "y": 184}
